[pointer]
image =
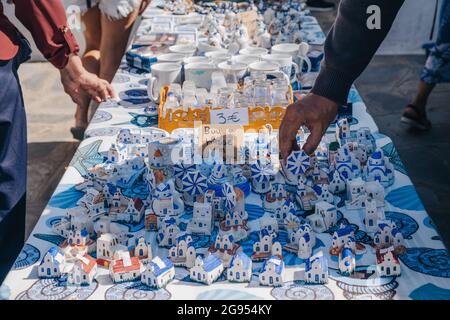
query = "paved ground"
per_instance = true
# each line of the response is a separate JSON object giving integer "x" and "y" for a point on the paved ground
{"x": 386, "y": 86}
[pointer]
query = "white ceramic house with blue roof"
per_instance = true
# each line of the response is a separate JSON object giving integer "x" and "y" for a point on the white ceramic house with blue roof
{"x": 323, "y": 193}
{"x": 272, "y": 272}
{"x": 379, "y": 168}
{"x": 344, "y": 236}
{"x": 183, "y": 253}
{"x": 124, "y": 136}
{"x": 346, "y": 164}
{"x": 372, "y": 215}
{"x": 270, "y": 223}
{"x": 168, "y": 233}
{"x": 347, "y": 262}
{"x": 337, "y": 184}
{"x": 166, "y": 201}
{"x": 316, "y": 269}
{"x": 305, "y": 246}
{"x": 52, "y": 265}
{"x": 206, "y": 270}
{"x": 324, "y": 217}
{"x": 158, "y": 273}
{"x": 240, "y": 269}
{"x": 388, "y": 235}
{"x": 202, "y": 221}
{"x": 282, "y": 211}
{"x": 266, "y": 246}
{"x": 356, "y": 194}
{"x": 143, "y": 250}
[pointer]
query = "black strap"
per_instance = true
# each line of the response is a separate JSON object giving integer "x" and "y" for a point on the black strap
{"x": 433, "y": 27}
{"x": 89, "y": 3}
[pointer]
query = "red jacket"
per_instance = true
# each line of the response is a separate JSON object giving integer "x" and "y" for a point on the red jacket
{"x": 47, "y": 22}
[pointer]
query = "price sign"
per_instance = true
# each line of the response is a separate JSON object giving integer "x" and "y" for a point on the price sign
{"x": 238, "y": 116}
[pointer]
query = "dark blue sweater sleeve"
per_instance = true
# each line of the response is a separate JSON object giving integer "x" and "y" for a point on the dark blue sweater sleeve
{"x": 351, "y": 44}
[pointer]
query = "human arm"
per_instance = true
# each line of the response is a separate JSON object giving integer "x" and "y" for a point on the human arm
{"x": 349, "y": 47}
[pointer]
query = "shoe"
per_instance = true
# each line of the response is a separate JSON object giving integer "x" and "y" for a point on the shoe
{"x": 415, "y": 118}
{"x": 78, "y": 133}
{"x": 319, "y": 5}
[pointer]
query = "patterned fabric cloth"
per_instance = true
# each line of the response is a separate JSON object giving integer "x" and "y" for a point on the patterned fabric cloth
{"x": 437, "y": 67}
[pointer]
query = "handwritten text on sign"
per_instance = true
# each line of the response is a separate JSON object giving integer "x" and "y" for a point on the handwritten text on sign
{"x": 230, "y": 116}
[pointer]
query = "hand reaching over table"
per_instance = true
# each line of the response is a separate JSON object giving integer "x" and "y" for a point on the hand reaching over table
{"x": 77, "y": 80}
{"x": 312, "y": 111}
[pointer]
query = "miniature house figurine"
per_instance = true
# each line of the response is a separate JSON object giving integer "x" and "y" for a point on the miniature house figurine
{"x": 240, "y": 269}
{"x": 158, "y": 273}
{"x": 272, "y": 273}
{"x": 224, "y": 247}
{"x": 316, "y": 269}
{"x": 206, "y": 270}
{"x": 125, "y": 268}
{"x": 83, "y": 271}
{"x": 78, "y": 237}
{"x": 265, "y": 247}
{"x": 388, "y": 264}
{"x": 282, "y": 212}
{"x": 277, "y": 194}
{"x": 124, "y": 136}
{"x": 167, "y": 234}
{"x": 375, "y": 190}
{"x": 379, "y": 169}
{"x": 270, "y": 224}
{"x": 107, "y": 246}
{"x": 347, "y": 262}
{"x": 337, "y": 184}
{"x": 324, "y": 217}
{"x": 166, "y": 201}
{"x": 388, "y": 235}
{"x": 135, "y": 210}
{"x": 183, "y": 253}
{"x": 323, "y": 193}
{"x": 305, "y": 195}
{"x": 302, "y": 241}
{"x": 356, "y": 194}
{"x": 143, "y": 250}
{"x": 52, "y": 265}
{"x": 372, "y": 215}
{"x": 346, "y": 164}
{"x": 202, "y": 221}
{"x": 344, "y": 236}
{"x": 343, "y": 133}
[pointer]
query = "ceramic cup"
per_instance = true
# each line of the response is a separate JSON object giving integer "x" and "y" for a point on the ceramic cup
{"x": 233, "y": 71}
{"x": 245, "y": 59}
{"x": 217, "y": 57}
{"x": 171, "y": 57}
{"x": 162, "y": 74}
{"x": 196, "y": 59}
{"x": 285, "y": 62}
{"x": 186, "y": 49}
{"x": 295, "y": 51}
{"x": 264, "y": 66}
{"x": 200, "y": 74}
{"x": 254, "y": 51}
{"x": 204, "y": 47}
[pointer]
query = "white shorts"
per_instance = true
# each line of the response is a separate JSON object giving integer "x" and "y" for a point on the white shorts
{"x": 113, "y": 9}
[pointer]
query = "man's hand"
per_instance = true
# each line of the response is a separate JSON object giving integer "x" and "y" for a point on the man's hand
{"x": 314, "y": 112}
{"x": 77, "y": 81}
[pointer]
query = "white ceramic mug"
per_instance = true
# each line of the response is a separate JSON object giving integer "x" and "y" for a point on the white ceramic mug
{"x": 200, "y": 74}
{"x": 162, "y": 74}
{"x": 171, "y": 57}
{"x": 233, "y": 71}
{"x": 245, "y": 59}
{"x": 296, "y": 51}
{"x": 285, "y": 62}
{"x": 186, "y": 49}
{"x": 216, "y": 57}
{"x": 254, "y": 51}
{"x": 264, "y": 66}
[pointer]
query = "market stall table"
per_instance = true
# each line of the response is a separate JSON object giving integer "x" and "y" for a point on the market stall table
{"x": 425, "y": 265}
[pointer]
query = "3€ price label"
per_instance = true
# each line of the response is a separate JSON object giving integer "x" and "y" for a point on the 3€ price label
{"x": 238, "y": 116}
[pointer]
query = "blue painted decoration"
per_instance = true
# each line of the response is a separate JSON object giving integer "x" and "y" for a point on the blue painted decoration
{"x": 87, "y": 157}
{"x": 433, "y": 262}
{"x": 405, "y": 198}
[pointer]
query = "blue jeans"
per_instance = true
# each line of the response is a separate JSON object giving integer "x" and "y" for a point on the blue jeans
{"x": 437, "y": 67}
{"x": 13, "y": 159}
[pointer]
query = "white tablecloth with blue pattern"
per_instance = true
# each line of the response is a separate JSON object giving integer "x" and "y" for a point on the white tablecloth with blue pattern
{"x": 425, "y": 265}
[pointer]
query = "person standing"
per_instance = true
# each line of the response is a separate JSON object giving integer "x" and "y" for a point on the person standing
{"x": 436, "y": 70}
{"x": 108, "y": 24}
{"x": 46, "y": 20}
